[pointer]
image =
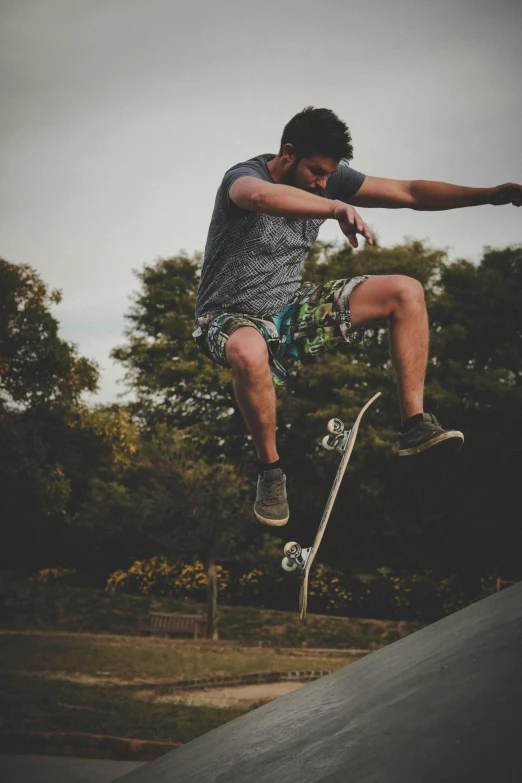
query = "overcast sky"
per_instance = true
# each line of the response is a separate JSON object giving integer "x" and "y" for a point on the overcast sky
{"x": 120, "y": 117}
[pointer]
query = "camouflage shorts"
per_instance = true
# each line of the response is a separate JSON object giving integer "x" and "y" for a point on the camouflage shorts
{"x": 315, "y": 321}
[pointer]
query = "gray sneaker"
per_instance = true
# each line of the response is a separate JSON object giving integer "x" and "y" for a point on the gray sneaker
{"x": 271, "y": 506}
{"x": 428, "y": 433}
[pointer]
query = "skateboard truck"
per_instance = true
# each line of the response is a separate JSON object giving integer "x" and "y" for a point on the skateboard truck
{"x": 295, "y": 557}
{"x": 338, "y": 437}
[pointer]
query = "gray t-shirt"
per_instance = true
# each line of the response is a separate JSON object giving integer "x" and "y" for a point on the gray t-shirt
{"x": 253, "y": 261}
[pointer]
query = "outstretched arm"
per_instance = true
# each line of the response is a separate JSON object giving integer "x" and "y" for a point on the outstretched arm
{"x": 286, "y": 201}
{"x": 430, "y": 196}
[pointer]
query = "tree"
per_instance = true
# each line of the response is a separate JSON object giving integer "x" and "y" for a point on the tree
{"x": 36, "y": 366}
{"x": 403, "y": 514}
{"x": 50, "y": 443}
{"x": 173, "y": 382}
{"x": 477, "y": 368}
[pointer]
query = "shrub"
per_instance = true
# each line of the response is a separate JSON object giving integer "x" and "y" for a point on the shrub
{"x": 50, "y": 576}
{"x": 160, "y": 576}
{"x": 383, "y": 595}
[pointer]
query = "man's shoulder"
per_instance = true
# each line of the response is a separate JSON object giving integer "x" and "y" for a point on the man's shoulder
{"x": 344, "y": 182}
{"x": 254, "y": 167}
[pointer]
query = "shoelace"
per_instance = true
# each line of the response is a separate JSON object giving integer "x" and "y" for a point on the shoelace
{"x": 273, "y": 491}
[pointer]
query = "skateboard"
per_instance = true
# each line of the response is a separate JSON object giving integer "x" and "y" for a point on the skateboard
{"x": 296, "y": 558}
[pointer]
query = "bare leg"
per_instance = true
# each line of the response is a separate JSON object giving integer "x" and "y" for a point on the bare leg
{"x": 247, "y": 354}
{"x": 401, "y": 299}
{"x": 396, "y": 297}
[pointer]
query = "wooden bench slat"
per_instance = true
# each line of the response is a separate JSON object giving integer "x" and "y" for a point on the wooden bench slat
{"x": 168, "y": 623}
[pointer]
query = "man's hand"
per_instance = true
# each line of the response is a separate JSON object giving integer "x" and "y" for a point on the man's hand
{"x": 508, "y": 193}
{"x": 351, "y": 223}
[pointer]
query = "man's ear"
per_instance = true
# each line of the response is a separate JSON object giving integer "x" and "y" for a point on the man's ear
{"x": 288, "y": 151}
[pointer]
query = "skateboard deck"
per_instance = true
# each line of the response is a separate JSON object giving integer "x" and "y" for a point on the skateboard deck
{"x": 300, "y": 559}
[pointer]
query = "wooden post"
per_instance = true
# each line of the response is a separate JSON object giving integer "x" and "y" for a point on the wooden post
{"x": 212, "y": 600}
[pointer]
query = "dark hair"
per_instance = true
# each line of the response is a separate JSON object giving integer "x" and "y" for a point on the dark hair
{"x": 318, "y": 132}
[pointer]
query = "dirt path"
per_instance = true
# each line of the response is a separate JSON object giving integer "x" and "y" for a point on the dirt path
{"x": 242, "y": 696}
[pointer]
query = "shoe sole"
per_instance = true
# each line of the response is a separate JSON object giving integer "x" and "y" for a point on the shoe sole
{"x": 453, "y": 435}
{"x": 271, "y": 522}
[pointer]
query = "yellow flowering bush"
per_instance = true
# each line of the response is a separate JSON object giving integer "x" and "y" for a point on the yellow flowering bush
{"x": 161, "y": 576}
{"x": 383, "y": 594}
{"x": 328, "y": 589}
{"x": 49, "y": 576}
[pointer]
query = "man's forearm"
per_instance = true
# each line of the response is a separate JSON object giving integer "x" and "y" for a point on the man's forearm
{"x": 430, "y": 196}
{"x": 287, "y": 201}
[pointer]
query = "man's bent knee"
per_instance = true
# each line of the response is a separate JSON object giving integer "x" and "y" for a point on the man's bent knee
{"x": 380, "y": 296}
{"x": 246, "y": 350}
{"x": 407, "y": 291}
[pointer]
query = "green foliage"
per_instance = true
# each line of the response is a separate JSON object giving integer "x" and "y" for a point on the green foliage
{"x": 170, "y": 499}
{"x": 174, "y": 473}
{"x": 409, "y": 515}
{"x": 51, "y": 461}
{"x": 173, "y": 382}
{"x": 416, "y": 596}
{"x": 36, "y": 366}
{"x": 50, "y": 444}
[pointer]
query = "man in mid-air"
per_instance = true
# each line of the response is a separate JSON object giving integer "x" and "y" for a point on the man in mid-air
{"x": 252, "y": 309}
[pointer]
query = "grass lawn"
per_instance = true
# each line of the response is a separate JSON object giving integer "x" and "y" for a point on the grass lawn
{"x": 76, "y": 682}
{"x": 30, "y": 704}
{"x": 96, "y": 658}
{"x": 68, "y": 656}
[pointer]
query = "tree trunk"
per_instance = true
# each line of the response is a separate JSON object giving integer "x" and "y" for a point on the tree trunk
{"x": 212, "y": 599}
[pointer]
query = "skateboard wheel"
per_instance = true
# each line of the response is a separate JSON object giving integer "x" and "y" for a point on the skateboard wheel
{"x": 327, "y": 443}
{"x": 292, "y": 549}
{"x": 335, "y": 426}
{"x": 288, "y": 565}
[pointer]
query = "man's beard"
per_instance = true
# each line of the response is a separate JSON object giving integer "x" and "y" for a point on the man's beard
{"x": 290, "y": 178}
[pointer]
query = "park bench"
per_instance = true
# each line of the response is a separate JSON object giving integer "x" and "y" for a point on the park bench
{"x": 165, "y": 624}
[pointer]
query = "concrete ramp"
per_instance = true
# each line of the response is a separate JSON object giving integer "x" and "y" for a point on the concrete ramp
{"x": 443, "y": 705}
